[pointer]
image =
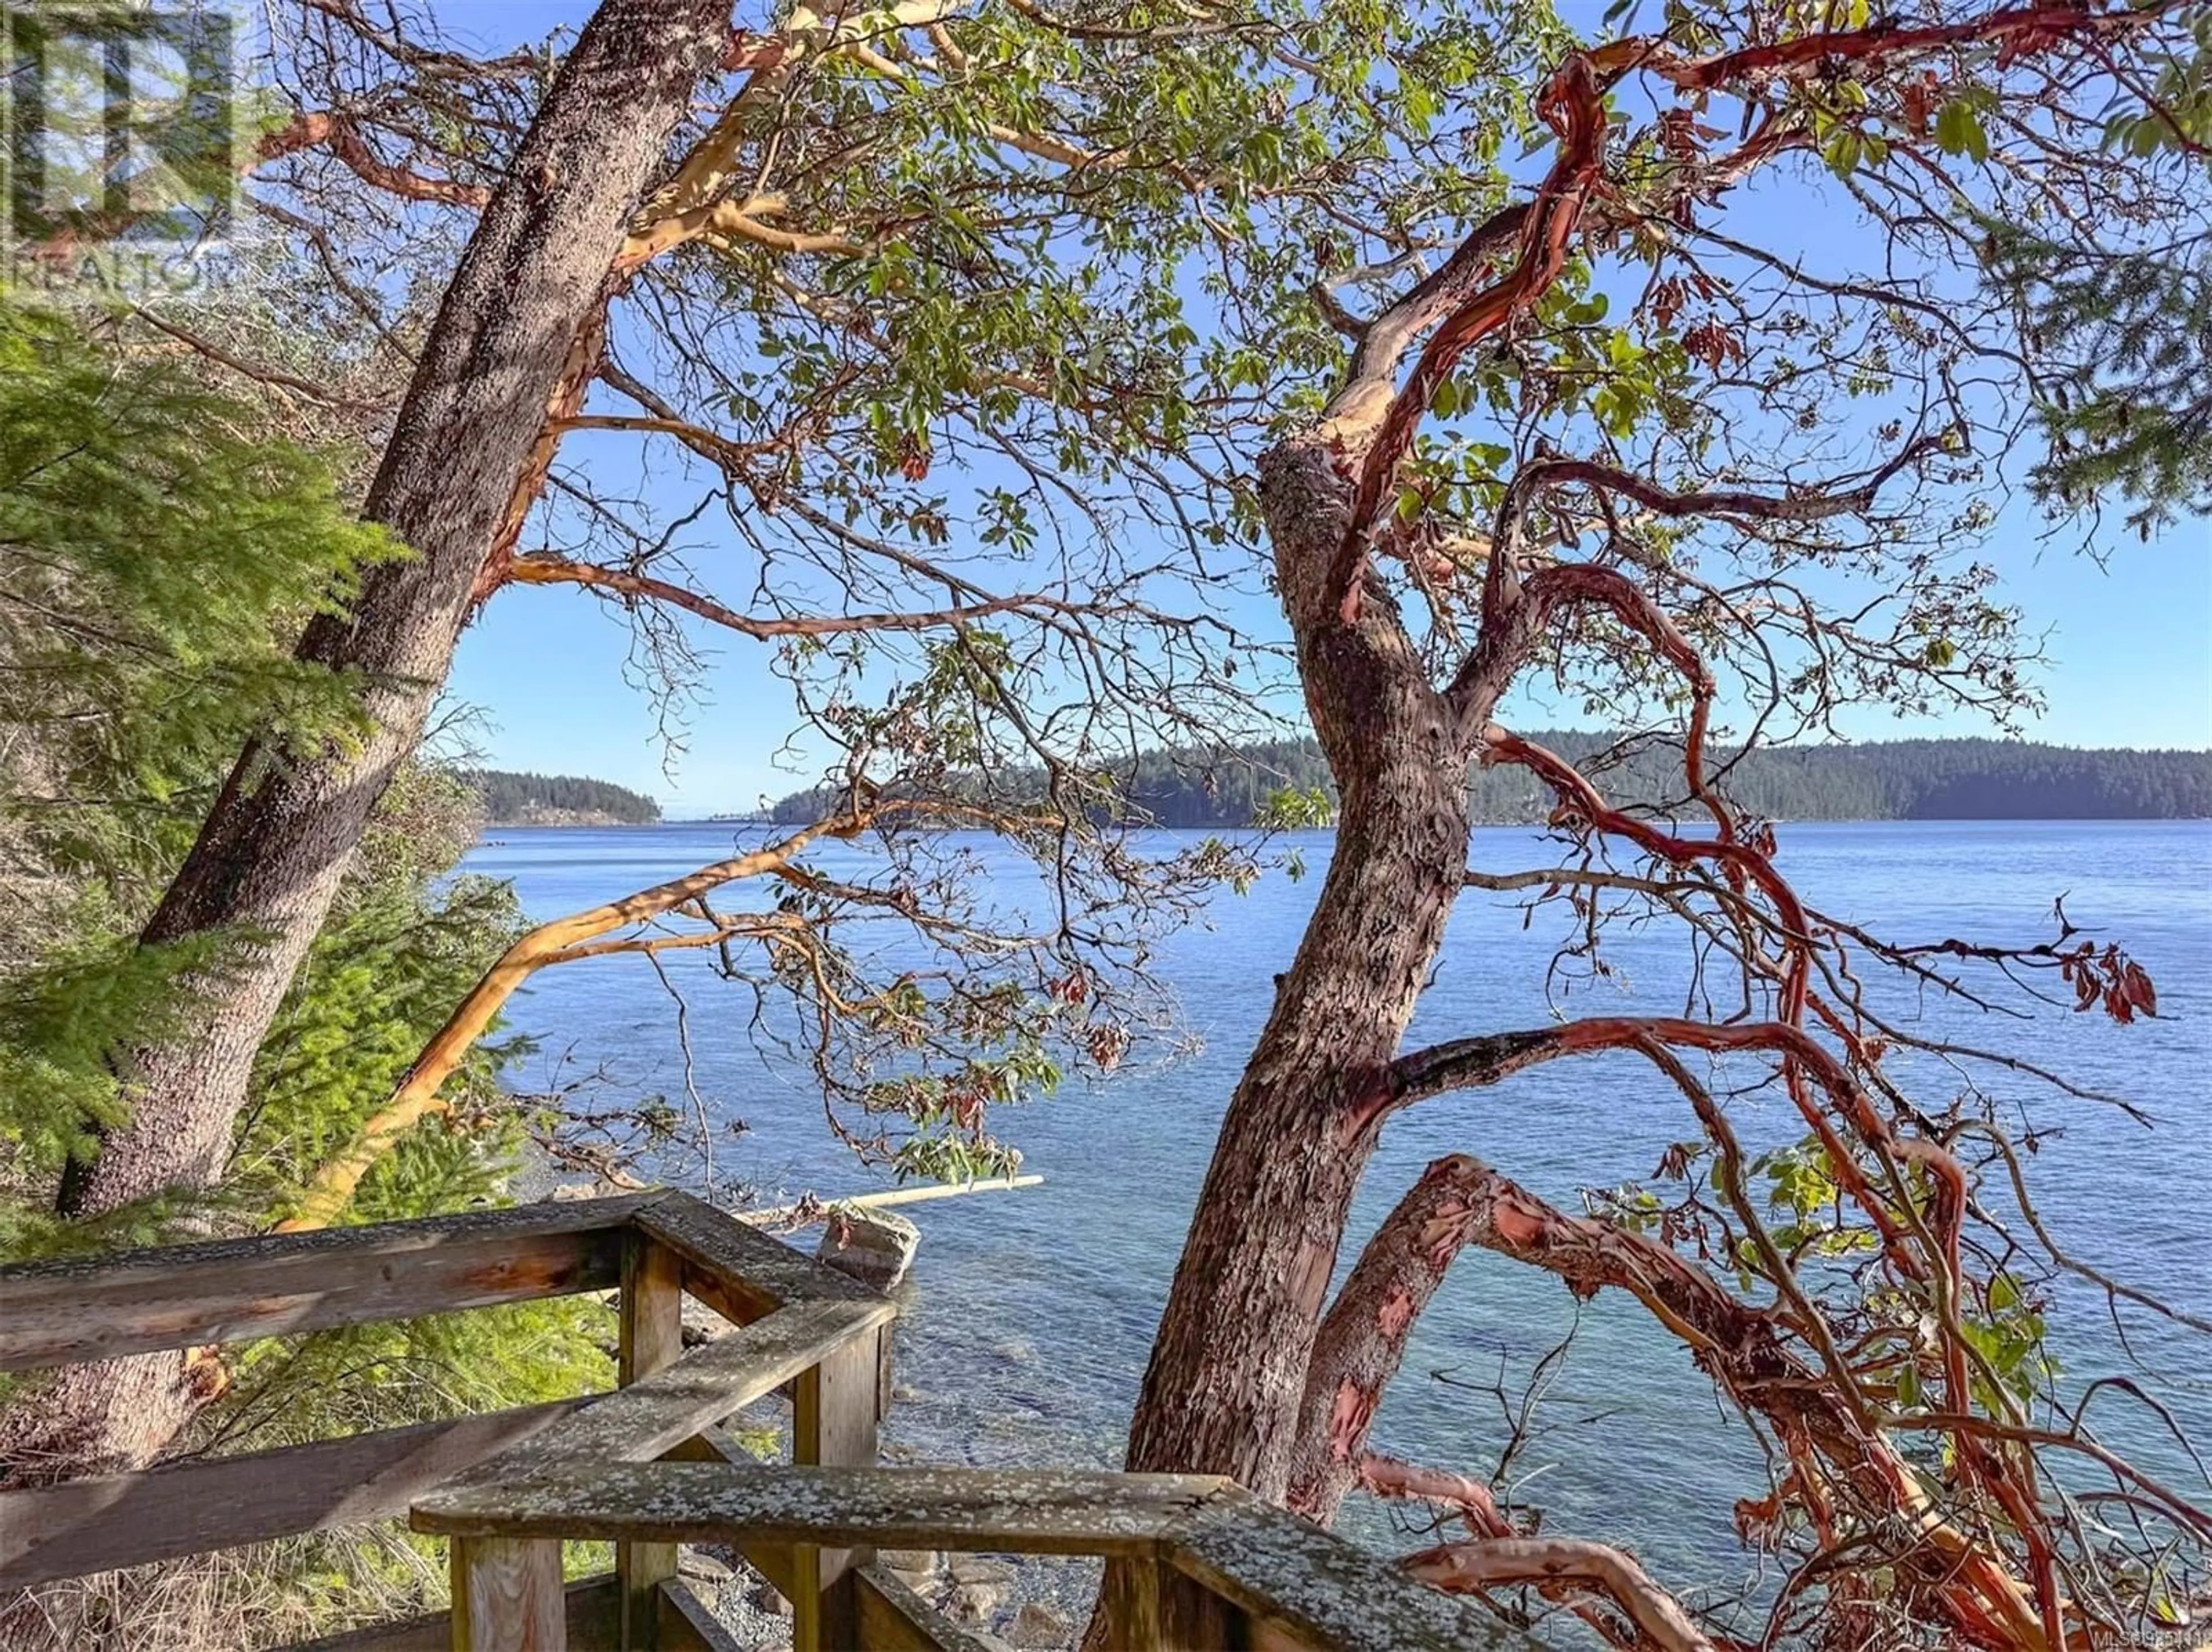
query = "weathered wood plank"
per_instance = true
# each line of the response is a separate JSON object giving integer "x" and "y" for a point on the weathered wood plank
{"x": 689, "y": 1624}
{"x": 562, "y": 1215}
{"x": 651, "y": 1310}
{"x": 1313, "y": 1587}
{"x": 652, "y": 1339}
{"x": 661, "y": 1411}
{"x": 1161, "y": 1610}
{"x": 130, "y": 1520}
{"x": 894, "y": 1619}
{"x": 833, "y": 1423}
{"x": 58, "y": 1313}
{"x": 507, "y": 1596}
{"x": 738, "y": 1273}
{"x": 592, "y": 1606}
{"x": 774, "y": 1562}
{"x": 1029, "y": 1511}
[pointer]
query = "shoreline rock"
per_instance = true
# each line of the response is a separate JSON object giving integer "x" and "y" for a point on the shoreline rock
{"x": 875, "y": 1246}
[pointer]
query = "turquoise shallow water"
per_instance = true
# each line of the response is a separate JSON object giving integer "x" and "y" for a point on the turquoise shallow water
{"x": 1032, "y": 1312}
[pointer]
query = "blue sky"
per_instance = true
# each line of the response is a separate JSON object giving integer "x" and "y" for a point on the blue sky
{"x": 2131, "y": 646}
{"x": 547, "y": 671}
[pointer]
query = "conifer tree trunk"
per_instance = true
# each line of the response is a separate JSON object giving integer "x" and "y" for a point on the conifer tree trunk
{"x": 269, "y": 858}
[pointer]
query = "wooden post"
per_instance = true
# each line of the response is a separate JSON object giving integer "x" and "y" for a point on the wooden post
{"x": 1148, "y": 1580}
{"x": 508, "y": 1596}
{"x": 834, "y": 1425}
{"x": 652, "y": 1337}
{"x": 1160, "y": 1610}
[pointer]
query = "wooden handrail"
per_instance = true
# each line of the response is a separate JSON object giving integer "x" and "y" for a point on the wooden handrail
{"x": 1292, "y": 1577}
{"x": 1030, "y": 1511}
{"x": 658, "y": 1414}
{"x": 646, "y": 1467}
{"x": 60, "y": 1312}
{"x": 738, "y": 1271}
{"x": 110, "y": 1522}
{"x": 797, "y": 1319}
{"x": 1279, "y": 1574}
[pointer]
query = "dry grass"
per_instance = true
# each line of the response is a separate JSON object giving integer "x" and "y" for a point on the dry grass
{"x": 272, "y": 1595}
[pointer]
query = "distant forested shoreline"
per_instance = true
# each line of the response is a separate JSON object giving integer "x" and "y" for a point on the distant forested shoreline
{"x": 514, "y": 799}
{"x": 1890, "y": 780}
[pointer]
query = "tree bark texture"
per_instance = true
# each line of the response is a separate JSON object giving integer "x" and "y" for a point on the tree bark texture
{"x": 270, "y": 857}
{"x": 1229, "y": 1367}
{"x": 1228, "y": 1372}
{"x": 1362, "y": 1338}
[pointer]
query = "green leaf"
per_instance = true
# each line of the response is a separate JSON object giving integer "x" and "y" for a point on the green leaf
{"x": 1958, "y": 131}
{"x": 1842, "y": 152}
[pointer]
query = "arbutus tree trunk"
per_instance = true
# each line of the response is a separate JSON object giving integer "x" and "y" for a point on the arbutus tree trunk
{"x": 1240, "y": 1343}
{"x": 1228, "y": 1369}
{"x": 1230, "y": 1366}
{"x": 270, "y": 857}
{"x": 1362, "y": 1338}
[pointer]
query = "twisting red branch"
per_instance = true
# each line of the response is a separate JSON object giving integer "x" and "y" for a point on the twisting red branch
{"x": 1922, "y": 1243}
{"x": 1573, "y": 105}
{"x": 1742, "y": 1349}
{"x": 2016, "y": 31}
{"x": 1981, "y": 1599}
{"x": 320, "y": 129}
{"x": 1553, "y": 1561}
{"x": 1582, "y": 802}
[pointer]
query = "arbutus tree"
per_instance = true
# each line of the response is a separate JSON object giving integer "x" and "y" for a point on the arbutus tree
{"x": 1746, "y": 497}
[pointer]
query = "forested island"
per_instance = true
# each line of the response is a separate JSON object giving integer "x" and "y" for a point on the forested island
{"x": 1889, "y": 780}
{"x": 514, "y": 799}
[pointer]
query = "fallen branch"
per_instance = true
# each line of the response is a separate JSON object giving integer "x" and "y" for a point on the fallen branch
{"x": 811, "y": 1209}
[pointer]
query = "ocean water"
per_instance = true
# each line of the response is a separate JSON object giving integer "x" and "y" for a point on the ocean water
{"x": 1032, "y": 1314}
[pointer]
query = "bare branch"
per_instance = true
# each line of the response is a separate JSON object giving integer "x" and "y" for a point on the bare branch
{"x": 1459, "y": 1568}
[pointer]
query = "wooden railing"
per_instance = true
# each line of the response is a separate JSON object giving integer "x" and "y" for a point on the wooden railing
{"x": 646, "y": 1467}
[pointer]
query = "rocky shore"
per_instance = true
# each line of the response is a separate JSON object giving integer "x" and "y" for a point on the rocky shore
{"x": 1005, "y": 1603}
{"x": 551, "y": 817}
